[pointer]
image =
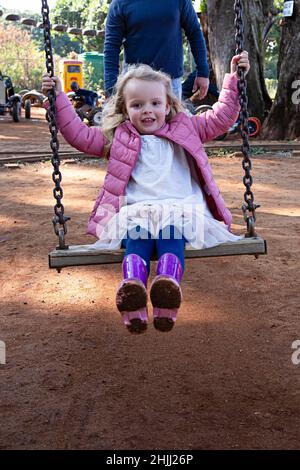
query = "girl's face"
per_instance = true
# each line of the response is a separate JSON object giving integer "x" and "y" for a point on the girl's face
{"x": 146, "y": 105}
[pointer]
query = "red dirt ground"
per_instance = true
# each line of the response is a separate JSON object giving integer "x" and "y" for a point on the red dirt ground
{"x": 75, "y": 379}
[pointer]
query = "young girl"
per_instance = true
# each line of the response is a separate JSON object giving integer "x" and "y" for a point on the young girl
{"x": 159, "y": 192}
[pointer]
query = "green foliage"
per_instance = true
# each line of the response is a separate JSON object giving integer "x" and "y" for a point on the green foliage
{"x": 63, "y": 44}
{"x": 203, "y": 6}
{"x": 271, "y": 85}
{"x": 82, "y": 14}
{"x": 20, "y": 57}
{"x": 95, "y": 13}
{"x": 88, "y": 77}
{"x": 200, "y": 6}
{"x": 272, "y": 46}
{"x": 272, "y": 51}
{"x": 279, "y": 4}
{"x": 91, "y": 80}
{"x": 68, "y": 14}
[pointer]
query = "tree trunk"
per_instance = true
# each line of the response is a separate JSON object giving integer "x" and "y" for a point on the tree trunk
{"x": 283, "y": 121}
{"x": 209, "y": 99}
{"x": 221, "y": 35}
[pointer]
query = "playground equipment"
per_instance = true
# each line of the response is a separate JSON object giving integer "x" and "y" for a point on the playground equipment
{"x": 77, "y": 255}
{"x": 254, "y": 123}
{"x": 93, "y": 62}
{"x": 11, "y": 101}
{"x": 70, "y": 71}
{"x": 35, "y": 97}
{"x": 86, "y": 104}
{"x": 189, "y": 99}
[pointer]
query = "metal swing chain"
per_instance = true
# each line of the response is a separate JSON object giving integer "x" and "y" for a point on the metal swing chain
{"x": 59, "y": 219}
{"x": 248, "y": 207}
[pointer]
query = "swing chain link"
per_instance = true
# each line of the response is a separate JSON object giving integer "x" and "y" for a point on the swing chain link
{"x": 59, "y": 219}
{"x": 248, "y": 206}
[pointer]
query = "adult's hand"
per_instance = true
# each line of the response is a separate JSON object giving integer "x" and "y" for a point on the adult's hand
{"x": 201, "y": 84}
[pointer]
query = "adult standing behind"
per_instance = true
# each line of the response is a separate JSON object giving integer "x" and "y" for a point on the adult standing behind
{"x": 151, "y": 33}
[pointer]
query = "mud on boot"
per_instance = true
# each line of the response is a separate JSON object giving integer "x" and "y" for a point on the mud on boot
{"x": 165, "y": 292}
{"x": 131, "y": 298}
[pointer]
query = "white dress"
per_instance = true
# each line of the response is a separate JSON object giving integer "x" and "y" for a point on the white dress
{"x": 162, "y": 192}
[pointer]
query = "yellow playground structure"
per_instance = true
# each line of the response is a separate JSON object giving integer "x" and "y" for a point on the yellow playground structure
{"x": 70, "y": 70}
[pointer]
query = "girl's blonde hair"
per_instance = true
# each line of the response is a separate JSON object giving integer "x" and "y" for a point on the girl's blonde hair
{"x": 114, "y": 112}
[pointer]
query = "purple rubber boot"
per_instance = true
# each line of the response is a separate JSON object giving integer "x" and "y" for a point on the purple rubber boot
{"x": 165, "y": 292}
{"x": 131, "y": 298}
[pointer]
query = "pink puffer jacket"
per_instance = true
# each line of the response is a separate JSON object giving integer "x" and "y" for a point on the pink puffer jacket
{"x": 189, "y": 132}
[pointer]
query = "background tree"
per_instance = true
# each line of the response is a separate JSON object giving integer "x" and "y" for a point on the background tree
{"x": 220, "y": 15}
{"x": 81, "y": 14}
{"x": 283, "y": 121}
{"x": 20, "y": 57}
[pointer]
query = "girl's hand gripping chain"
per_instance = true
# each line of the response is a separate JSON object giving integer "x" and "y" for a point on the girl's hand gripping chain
{"x": 241, "y": 60}
{"x": 51, "y": 82}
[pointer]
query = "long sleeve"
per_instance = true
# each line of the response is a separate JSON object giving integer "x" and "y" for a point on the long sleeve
{"x": 85, "y": 139}
{"x": 151, "y": 33}
{"x": 224, "y": 114}
{"x": 114, "y": 34}
{"x": 192, "y": 29}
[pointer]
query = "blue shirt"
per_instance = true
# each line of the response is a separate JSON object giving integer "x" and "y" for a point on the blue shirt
{"x": 151, "y": 33}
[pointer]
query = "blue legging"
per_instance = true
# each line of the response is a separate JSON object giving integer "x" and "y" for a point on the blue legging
{"x": 169, "y": 240}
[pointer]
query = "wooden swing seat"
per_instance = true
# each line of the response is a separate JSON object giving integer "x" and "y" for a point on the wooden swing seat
{"x": 83, "y": 255}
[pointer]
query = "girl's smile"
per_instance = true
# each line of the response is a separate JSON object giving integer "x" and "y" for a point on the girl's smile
{"x": 146, "y": 105}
